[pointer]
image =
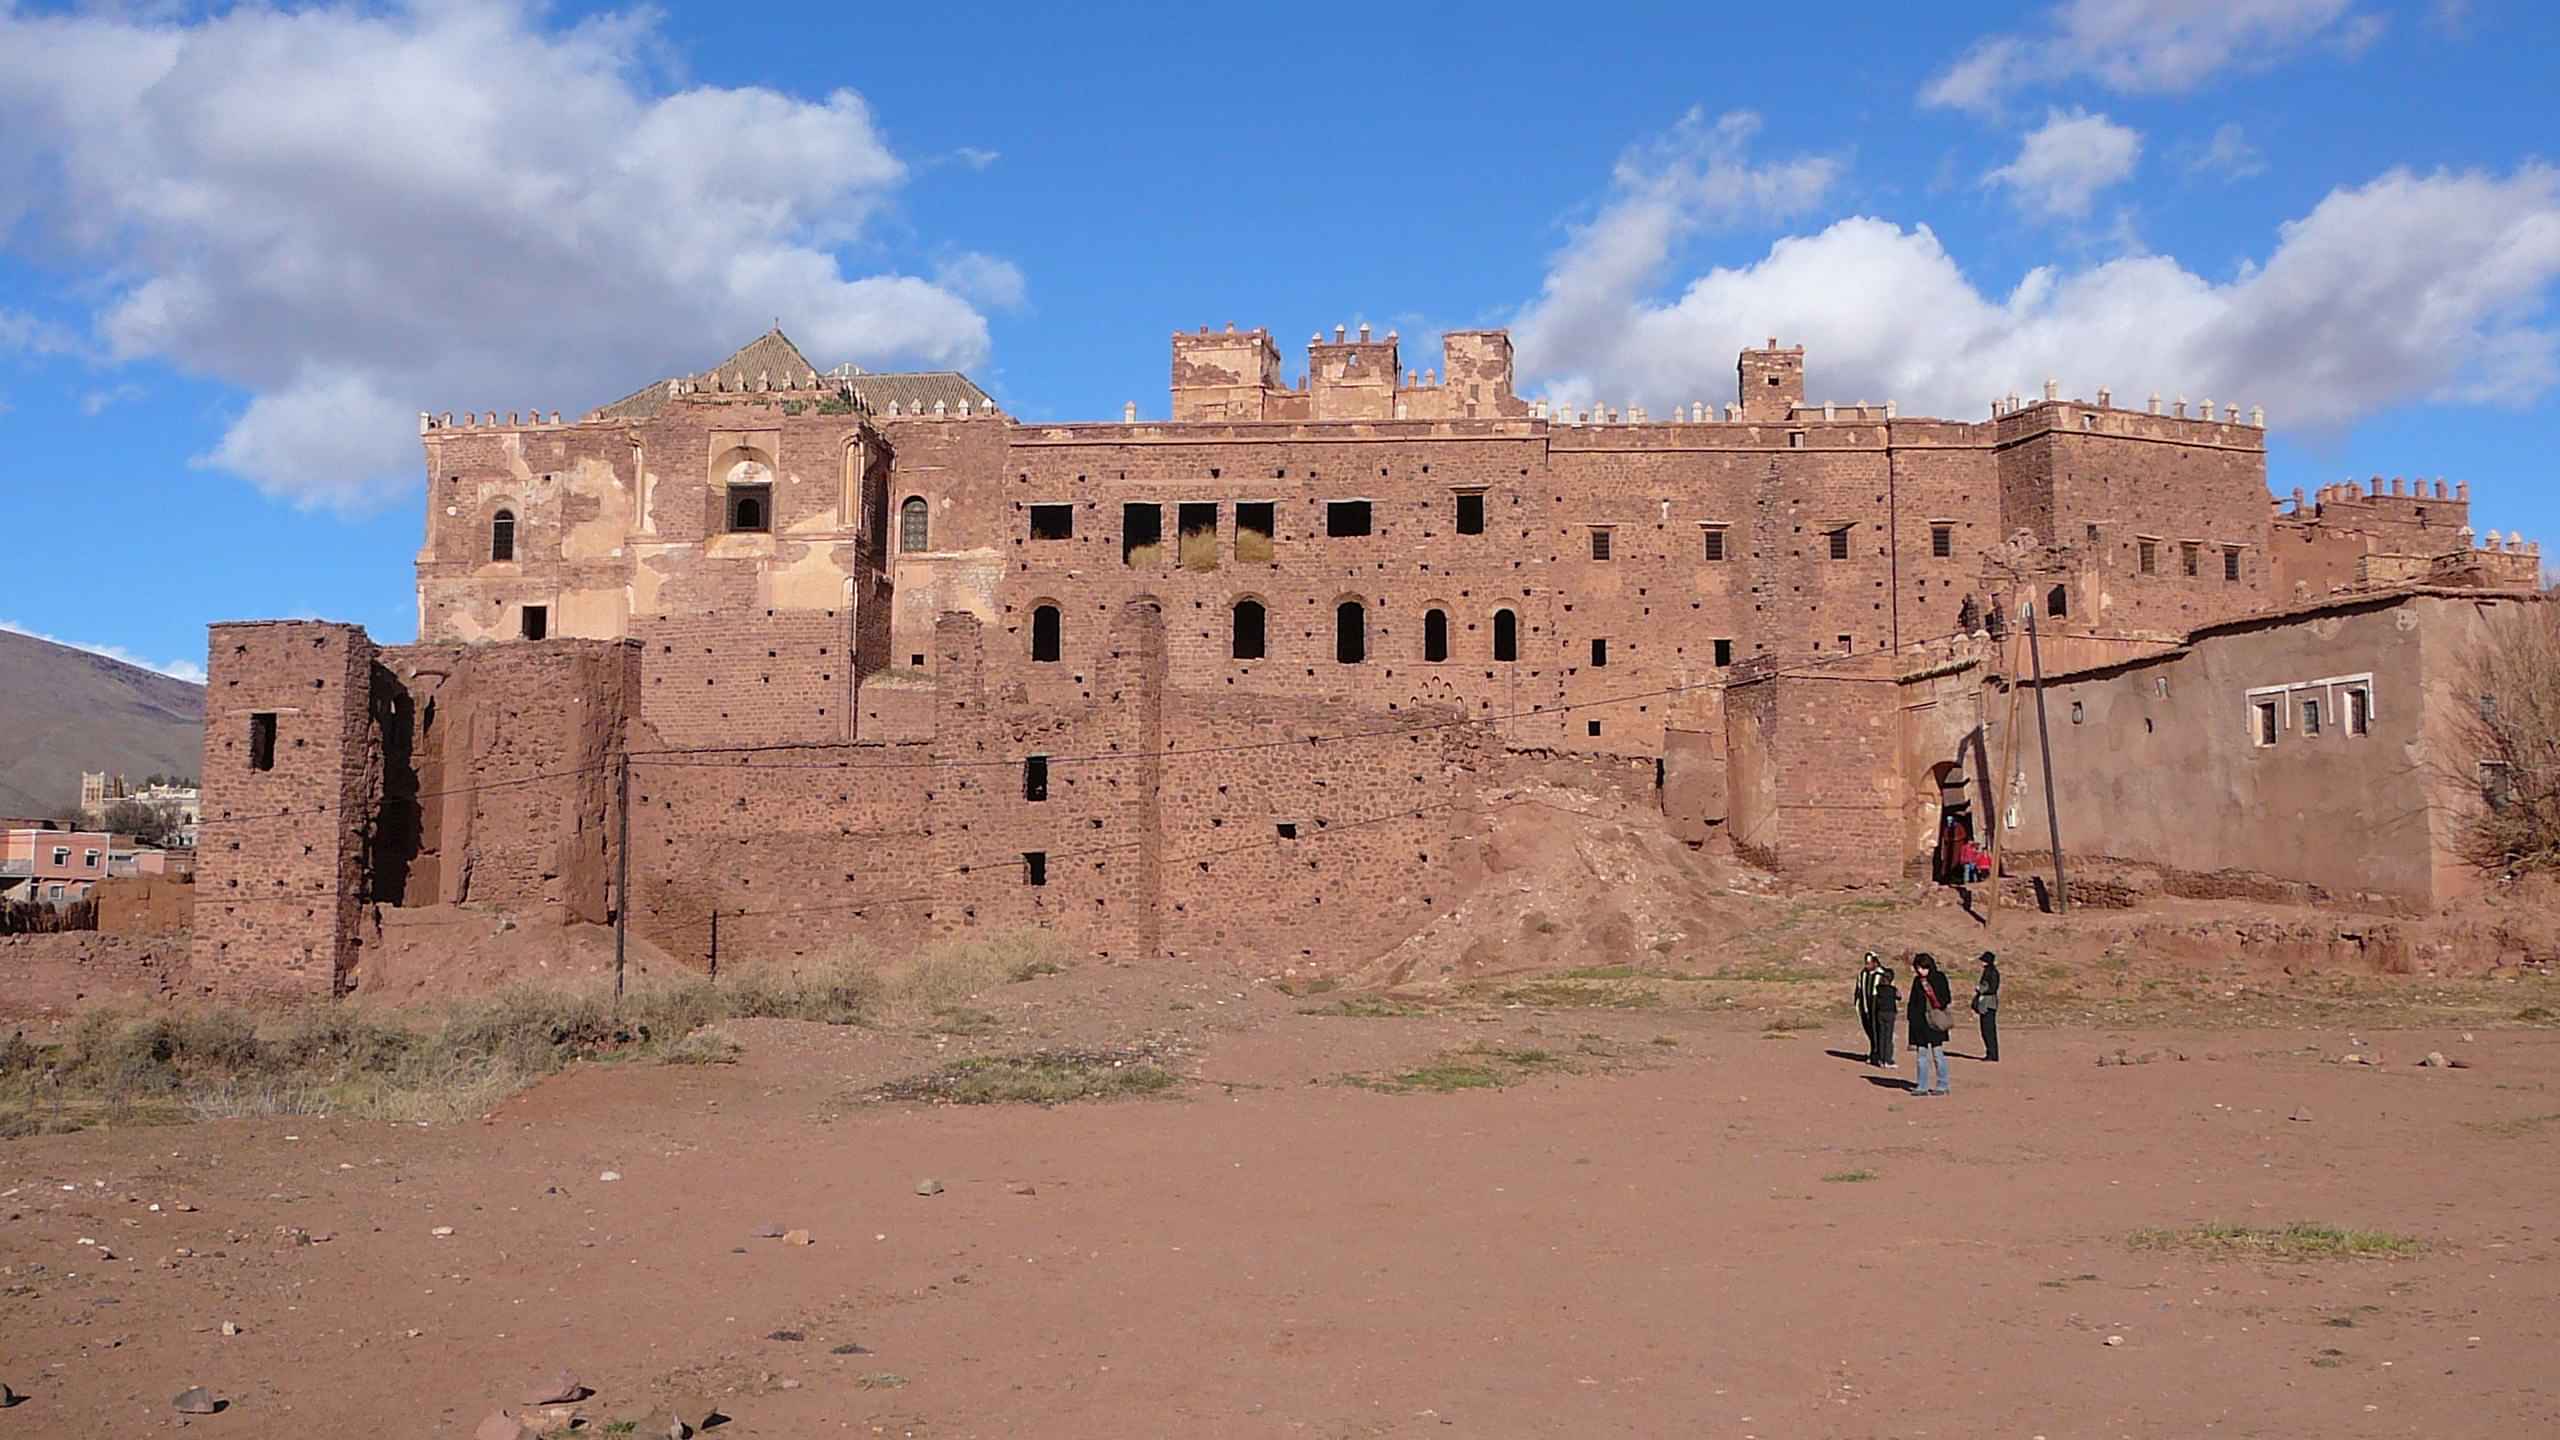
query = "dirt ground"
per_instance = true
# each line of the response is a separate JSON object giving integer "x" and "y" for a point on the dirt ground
{"x": 1691, "y": 1221}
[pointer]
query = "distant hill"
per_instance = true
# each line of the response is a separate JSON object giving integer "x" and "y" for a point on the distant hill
{"x": 63, "y": 711}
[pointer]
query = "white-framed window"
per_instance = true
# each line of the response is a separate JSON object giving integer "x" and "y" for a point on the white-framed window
{"x": 89, "y": 860}
{"x": 2266, "y": 722}
{"x": 61, "y": 854}
{"x": 2331, "y": 705}
{"x": 2310, "y": 716}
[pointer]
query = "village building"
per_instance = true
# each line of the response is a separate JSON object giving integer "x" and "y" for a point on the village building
{"x": 868, "y": 656}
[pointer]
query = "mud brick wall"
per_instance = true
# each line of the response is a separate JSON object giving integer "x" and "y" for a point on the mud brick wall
{"x": 747, "y": 677}
{"x": 499, "y": 774}
{"x": 144, "y": 904}
{"x": 282, "y": 865}
{"x": 1815, "y": 757}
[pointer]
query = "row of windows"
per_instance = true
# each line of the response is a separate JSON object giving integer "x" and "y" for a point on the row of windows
{"x": 2312, "y": 716}
{"x": 1142, "y": 530}
{"x": 2190, "y": 559}
{"x": 1249, "y": 635}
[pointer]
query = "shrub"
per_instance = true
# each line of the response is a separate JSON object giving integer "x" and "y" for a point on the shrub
{"x": 2510, "y": 755}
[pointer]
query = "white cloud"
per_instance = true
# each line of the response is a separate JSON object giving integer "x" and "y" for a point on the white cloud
{"x": 188, "y": 670}
{"x": 354, "y": 214}
{"x": 2370, "y": 301}
{"x": 2144, "y": 47}
{"x": 2066, "y": 161}
{"x": 1696, "y": 175}
{"x": 20, "y": 331}
{"x": 97, "y": 401}
{"x": 2229, "y": 155}
{"x": 975, "y": 158}
{"x": 993, "y": 282}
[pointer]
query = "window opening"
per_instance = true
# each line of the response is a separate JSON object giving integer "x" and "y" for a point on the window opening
{"x": 915, "y": 524}
{"x": 1715, "y": 542}
{"x": 1288, "y": 829}
{"x": 1599, "y": 652}
{"x": 1053, "y": 522}
{"x": 1435, "y": 635}
{"x": 1344, "y": 518}
{"x": 262, "y": 741}
{"x": 1253, "y": 532}
{"x": 1035, "y": 867}
{"x": 2057, "y": 602}
{"x": 1035, "y": 778}
{"x": 1724, "y": 652}
{"x": 2230, "y": 565}
{"x": 1247, "y": 642}
{"x": 2145, "y": 558}
{"x": 2268, "y": 719}
{"x": 2497, "y": 784}
{"x": 1506, "y": 635}
{"x": 1942, "y": 541}
{"x": 2359, "y": 712}
{"x": 1840, "y": 543}
{"x": 1591, "y": 728}
{"x": 1471, "y": 513}
{"x": 2188, "y": 552}
{"x": 1141, "y": 534}
{"x": 1199, "y": 535}
{"x": 1044, "y": 633}
{"x": 502, "y": 535}
{"x": 1795, "y": 439}
{"x": 1599, "y": 542}
{"x": 537, "y": 622}
{"x": 750, "y": 509}
{"x": 1845, "y": 644}
{"x": 2311, "y": 716}
{"x": 2077, "y": 714}
{"x": 1350, "y": 633}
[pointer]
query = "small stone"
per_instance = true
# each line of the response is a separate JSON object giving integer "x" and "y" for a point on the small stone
{"x": 796, "y": 1237}
{"x": 2435, "y": 1061}
{"x": 610, "y": 1176}
{"x": 502, "y": 1426}
{"x": 195, "y": 1400}
{"x": 659, "y": 1425}
{"x": 230, "y": 1328}
{"x": 442, "y": 1232}
{"x": 928, "y": 1187}
{"x": 847, "y": 1348}
{"x": 768, "y": 1231}
{"x": 2115, "y": 1339}
{"x": 698, "y": 1412}
{"x": 183, "y": 1208}
{"x": 2303, "y": 1115}
{"x": 557, "y": 1388}
{"x": 1023, "y": 1187}
{"x": 787, "y": 1335}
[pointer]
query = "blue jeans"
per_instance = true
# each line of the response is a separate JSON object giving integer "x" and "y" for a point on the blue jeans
{"x": 1922, "y": 1057}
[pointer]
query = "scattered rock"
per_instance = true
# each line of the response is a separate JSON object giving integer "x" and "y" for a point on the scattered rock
{"x": 2355, "y": 1057}
{"x": 2303, "y": 1115}
{"x": 768, "y": 1231}
{"x": 658, "y": 1425}
{"x": 2115, "y": 1339}
{"x": 928, "y": 1187}
{"x": 2435, "y": 1061}
{"x": 230, "y": 1327}
{"x": 697, "y": 1412}
{"x": 195, "y": 1400}
{"x": 502, "y": 1426}
{"x": 848, "y": 1348}
{"x": 442, "y": 1232}
{"x": 788, "y": 1335}
{"x": 1022, "y": 1187}
{"x": 796, "y": 1237}
{"x": 557, "y": 1388}
{"x": 610, "y": 1175}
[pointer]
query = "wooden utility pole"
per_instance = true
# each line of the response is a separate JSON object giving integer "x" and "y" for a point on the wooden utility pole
{"x": 2044, "y": 742}
{"x": 621, "y": 871}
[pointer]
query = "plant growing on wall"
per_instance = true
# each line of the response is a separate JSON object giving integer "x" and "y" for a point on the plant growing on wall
{"x": 2511, "y": 723}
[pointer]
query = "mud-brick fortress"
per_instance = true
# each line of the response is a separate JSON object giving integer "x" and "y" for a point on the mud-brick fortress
{"x": 859, "y": 655}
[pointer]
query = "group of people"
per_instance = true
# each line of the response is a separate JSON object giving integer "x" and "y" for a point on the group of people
{"x": 1930, "y": 1015}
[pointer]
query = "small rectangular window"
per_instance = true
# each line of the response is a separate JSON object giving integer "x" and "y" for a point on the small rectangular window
{"x": 1724, "y": 652}
{"x": 1288, "y": 829}
{"x": 1141, "y": 534}
{"x": 1035, "y": 867}
{"x": 2497, "y": 784}
{"x": 2359, "y": 712}
{"x": 2230, "y": 565}
{"x": 1599, "y": 652}
{"x": 1471, "y": 513}
{"x": 1591, "y": 727}
{"x": 1840, "y": 543}
{"x": 1253, "y": 532}
{"x": 89, "y": 859}
{"x": 1346, "y": 518}
{"x": 62, "y": 855}
{"x": 1035, "y": 778}
{"x": 537, "y": 622}
{"x": 2311, "y": 716}
{"x": 1942, "y": 541}
{"x": 1198, "y": 536}
{"x": 2187, "y": 558}
{"x": 2269, "y": 717}
{"x": 1599, "y": 542}
{"x": 1053, "y": 522}
{"x": 1795, "y": 439}
{"x": 750, "y": 509}
{"x": 2146, "y": 559}
{"x": 262, "y": 741}
{"x": 1715, "y": 542}
{"x": 1846, "y": 645}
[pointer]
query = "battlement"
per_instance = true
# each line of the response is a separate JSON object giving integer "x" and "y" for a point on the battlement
{"x": 1235, "y": 375}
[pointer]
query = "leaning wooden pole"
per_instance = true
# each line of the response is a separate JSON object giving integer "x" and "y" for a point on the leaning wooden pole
{"x": 2044, "y": 742}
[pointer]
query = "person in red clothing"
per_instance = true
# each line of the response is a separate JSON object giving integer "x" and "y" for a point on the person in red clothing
{"x": 1931, "y": 994}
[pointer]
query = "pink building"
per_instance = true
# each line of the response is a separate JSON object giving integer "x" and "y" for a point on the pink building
{"x": 56, "y": 867}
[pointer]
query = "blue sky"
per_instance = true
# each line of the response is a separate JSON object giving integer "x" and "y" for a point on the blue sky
{"x": 241, "y": 248}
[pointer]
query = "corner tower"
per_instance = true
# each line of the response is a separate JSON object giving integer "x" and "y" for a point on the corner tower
{"x": 1772, "y": 381}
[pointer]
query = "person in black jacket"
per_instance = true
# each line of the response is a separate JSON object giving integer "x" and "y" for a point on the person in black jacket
{"x": 1986, "y": 1005}
{"x": 1929, "y": 991}
{"x": 1880, "y": 1014}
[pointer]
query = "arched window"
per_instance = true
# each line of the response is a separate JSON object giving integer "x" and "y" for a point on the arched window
{"x": 1435, "y": 635}
{"x": 746, "y": 511}
{"x": 1249, "y": 628}
{"x": 1506, "y": 635}
{"x": 502, "y": 535}
{"x": 1350, "y": 633}
{"x": 1044, "y": 633}
{"x": 915, "y": 524}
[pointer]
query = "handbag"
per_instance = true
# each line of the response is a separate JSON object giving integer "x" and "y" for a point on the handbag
{"x": 1936, "y": 1014}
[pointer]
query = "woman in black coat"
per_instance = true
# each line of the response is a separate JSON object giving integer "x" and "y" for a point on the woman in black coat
{"x": 1929, "y": 991}
{"x": 1986, "y": 1005}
